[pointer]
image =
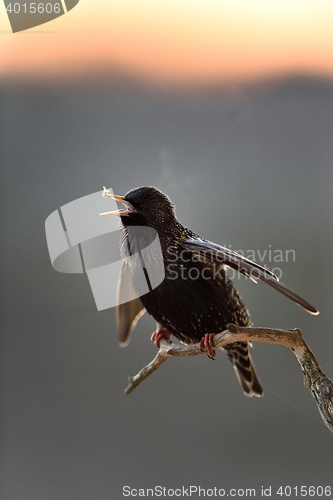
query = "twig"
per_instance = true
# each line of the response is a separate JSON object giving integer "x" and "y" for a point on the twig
{"x": 147, "y": 370}
{"x": 315, "y": 380}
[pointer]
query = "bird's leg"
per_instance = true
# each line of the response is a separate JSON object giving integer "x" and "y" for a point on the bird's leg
{"x": 160, "y": 333}
{"x": 206, "y": 344}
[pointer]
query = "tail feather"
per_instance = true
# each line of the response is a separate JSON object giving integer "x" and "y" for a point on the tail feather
{"x": 239, "y": 354}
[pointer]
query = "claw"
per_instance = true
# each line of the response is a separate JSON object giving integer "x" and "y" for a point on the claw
{"x": 206, "y": 344}
{"x": 160, "y": 334}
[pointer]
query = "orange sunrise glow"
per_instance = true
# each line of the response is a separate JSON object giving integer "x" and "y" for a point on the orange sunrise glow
{"x": 184, "y": 41}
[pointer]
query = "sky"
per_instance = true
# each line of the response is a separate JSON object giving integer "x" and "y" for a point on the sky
{"x": 176, "y": 41}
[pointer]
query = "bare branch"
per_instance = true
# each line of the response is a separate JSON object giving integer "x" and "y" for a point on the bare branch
{"x": 315, "y": 380}
{"x": 147, "y": 370}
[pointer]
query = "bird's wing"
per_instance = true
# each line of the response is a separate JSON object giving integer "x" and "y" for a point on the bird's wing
{"x": 211, "y": 253}
{"x": 128, "y": 311}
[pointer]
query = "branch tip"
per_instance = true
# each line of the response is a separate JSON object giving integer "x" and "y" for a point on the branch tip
{"x": 320, "y": 386}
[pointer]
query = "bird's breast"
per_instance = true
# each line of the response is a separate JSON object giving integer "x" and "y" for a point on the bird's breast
{"x": 194, "y": 299}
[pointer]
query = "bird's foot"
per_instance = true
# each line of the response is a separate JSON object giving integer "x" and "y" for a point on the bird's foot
{"x": 206, "y": 344}
{"x": 160, "y": 334}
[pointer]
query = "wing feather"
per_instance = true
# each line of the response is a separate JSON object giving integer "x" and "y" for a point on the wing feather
{"x": 128, "y": 311}
{"x": 210, "y": 252}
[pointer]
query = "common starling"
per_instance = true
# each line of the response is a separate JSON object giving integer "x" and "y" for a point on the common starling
{"x": 196, "y": 299}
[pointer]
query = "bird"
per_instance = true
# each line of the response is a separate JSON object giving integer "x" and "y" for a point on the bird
{"x": 196, "y": 299}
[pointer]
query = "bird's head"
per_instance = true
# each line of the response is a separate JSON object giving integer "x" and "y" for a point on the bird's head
{"x": 144, "y": 206}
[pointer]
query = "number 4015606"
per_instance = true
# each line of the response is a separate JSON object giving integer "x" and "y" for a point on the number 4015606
{"x": 305, "y": 491}
{"x": 34, "y": 8}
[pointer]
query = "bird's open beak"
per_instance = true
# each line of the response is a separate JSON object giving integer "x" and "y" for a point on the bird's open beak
{"x": 122, "y": 211}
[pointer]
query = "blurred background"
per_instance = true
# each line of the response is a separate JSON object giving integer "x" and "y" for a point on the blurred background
{"x": 228, "y": 108}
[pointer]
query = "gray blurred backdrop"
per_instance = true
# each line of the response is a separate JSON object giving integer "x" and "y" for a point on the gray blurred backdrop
{"x": 246, "y": 166}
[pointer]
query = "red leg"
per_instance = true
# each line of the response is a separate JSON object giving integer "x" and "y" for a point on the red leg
{"x": 206, "y": 344}
{"x": 161, "y": 333}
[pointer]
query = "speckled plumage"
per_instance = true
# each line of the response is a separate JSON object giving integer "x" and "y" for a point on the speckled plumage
{"x": 196, "y": 297}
